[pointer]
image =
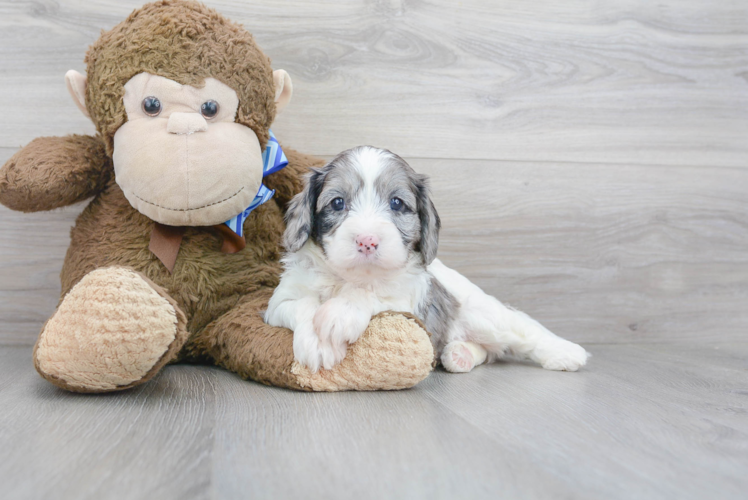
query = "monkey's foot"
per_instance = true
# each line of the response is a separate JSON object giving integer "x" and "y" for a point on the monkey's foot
{"x": 113, "y": 330}
{"x": 394, "y": 352}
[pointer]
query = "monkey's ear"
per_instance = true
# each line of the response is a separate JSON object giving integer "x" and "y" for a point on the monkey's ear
{"x": 283, "y": 89}
{"x": 77, "y": 87}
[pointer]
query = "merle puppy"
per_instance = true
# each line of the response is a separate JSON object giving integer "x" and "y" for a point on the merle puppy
{"x": 362, "y": 238}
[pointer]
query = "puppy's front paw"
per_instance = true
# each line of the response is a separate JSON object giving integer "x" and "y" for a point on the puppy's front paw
{"x": 306, "y": 348}
{"x": 323, "y": 343}
{"x": 564, "y": 355}
{"x": 332, "y": 353}
{"x": 338, "y": 323}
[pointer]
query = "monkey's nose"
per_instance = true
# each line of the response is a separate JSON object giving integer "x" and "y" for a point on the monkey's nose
{"x": 186, "y": 123}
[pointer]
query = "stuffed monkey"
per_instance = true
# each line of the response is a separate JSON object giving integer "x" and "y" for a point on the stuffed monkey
{"x": 182, "y": 100}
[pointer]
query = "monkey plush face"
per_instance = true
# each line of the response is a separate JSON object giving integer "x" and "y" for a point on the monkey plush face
{"x": 183, "y": 100}
{"x": 181, "y": 159}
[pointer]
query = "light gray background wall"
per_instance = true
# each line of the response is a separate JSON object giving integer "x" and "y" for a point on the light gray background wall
{"x": 589, "y": 159}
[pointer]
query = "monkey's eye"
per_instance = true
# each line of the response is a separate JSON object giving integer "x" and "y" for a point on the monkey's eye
{"x": 338, "y": 204}
{"x": 209, "y": 109}
{"x": 151, "y": 106}
{"x": 396, "y": 204}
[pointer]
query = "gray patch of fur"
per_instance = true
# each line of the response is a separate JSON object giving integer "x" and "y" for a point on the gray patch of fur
{"x": 309, "y": 213}
{"x": 438, "y": 311}
{"x": 299, "y": 219}
{"x": 430, "y": 222}
{"x": 418, "y": 222}
{"x": 342, "y": 180}
{"x": 397, "y": 180}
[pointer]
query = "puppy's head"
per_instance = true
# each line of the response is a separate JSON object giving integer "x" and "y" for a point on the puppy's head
{"x": 366, "y": 209}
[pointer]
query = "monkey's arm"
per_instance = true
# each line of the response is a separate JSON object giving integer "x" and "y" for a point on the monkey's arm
{"x": 52, "y": 172}
{"x": 394, "y": 352}
{"x": 290, "y": 181}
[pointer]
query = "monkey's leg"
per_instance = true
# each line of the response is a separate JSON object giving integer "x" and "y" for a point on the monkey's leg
{"x": 395, "y": 352}
{"x": 113, "y": 330}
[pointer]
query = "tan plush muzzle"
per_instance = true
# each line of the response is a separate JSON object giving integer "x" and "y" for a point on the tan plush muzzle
{"x": 179, "y": 166}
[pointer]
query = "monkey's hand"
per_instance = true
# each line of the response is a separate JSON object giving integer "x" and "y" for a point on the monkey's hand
{"x": 52, "y": 172}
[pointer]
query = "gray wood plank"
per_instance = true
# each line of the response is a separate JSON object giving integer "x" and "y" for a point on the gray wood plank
{"x": 640, "y": 421}
{"x": 633, "y": 254}
{"x": 150, "y": 442}
{"x": 280, "y": 444}
{"x": 621, "y": 82}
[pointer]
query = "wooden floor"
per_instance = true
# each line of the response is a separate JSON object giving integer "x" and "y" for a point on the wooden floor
{"x": 589, "y": 161}
{"x": 641, "y": 421}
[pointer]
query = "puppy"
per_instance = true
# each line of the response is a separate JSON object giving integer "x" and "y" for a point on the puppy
{"x": 362, "y": 238}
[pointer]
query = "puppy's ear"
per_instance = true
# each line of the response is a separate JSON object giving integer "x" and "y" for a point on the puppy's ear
{"x": 300, "y": 213}
{"x": 430, "y": 223}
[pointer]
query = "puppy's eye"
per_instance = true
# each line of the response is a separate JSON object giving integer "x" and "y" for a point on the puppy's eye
{"x": 151, "y": 106}
{"x": 209, "y": 109}
{"x": 338, "y": 204}
{"x": 396, "y": 204}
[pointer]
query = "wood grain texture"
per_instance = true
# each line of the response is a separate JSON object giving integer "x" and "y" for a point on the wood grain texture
{"x": 640, "y": 421}
{"x": 610, "y": 82}
{"x": 153, "y": 442}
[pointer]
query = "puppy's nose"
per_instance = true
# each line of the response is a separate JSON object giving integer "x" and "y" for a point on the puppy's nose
{"x": 186, "y": 123}
{"x": 367, "y": 244}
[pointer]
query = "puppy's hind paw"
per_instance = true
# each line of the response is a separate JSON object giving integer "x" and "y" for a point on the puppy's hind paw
{"x": 567, "y": 357}
{"x": 457, "y": 358}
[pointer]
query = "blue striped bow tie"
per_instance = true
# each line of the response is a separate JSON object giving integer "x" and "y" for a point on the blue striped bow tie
{"x": 273, "y": 159}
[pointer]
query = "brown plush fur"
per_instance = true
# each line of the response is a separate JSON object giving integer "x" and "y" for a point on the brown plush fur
{"x": 220, "y": 295}
{"x": 52, "y": 172}
{"x": 387, "y": 333}
{"x": 188, "y": 43}
{"x": 205, "y": 282}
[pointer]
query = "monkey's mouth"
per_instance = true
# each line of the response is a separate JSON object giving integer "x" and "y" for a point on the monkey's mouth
{"x": 215, "y": 203}
{"x": 207, "y": 213}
